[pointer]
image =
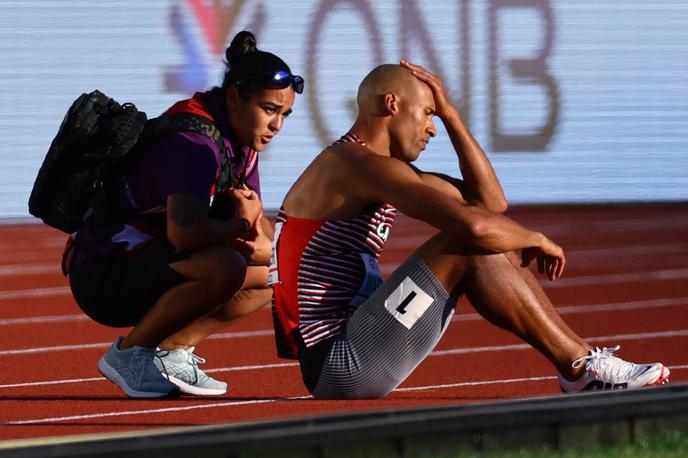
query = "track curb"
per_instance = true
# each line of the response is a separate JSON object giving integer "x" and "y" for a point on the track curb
{"x": 559, "y": 422}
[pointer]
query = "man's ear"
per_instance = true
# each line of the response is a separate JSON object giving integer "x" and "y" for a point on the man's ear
{"x": 391, "y": 103}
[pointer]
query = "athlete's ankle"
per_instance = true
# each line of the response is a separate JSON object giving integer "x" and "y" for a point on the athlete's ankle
{"x": 172, "y": 344}
{"x": 569, "y": 369}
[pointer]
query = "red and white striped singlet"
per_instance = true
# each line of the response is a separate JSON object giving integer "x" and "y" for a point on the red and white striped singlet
{"x": 321, "y": 270}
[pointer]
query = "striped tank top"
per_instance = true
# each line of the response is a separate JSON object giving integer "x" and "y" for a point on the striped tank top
{"x": 321, "y": 270}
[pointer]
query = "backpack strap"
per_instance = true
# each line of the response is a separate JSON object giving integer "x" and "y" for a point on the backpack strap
{"x": 186, "y": 122}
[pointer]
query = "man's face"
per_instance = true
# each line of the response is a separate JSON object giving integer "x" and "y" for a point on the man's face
{"x": 257, "y": 120}
{"x": 412, "y": 126}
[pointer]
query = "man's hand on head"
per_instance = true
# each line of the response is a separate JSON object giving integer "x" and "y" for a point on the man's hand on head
{"x": 443, "y": 107}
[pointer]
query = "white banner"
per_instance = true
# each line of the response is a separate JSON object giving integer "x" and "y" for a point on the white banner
{"x": 582, "y": 101}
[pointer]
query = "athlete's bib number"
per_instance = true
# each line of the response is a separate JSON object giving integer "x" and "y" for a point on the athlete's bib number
{"x": 408, "y": 302}
{"x": 273, "y": 272}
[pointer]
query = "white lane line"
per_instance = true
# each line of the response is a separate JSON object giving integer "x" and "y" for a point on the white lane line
{"x": 653, "y": 303}
{"x": 36, "y": 292}
{"x": 227, "y": 335}
{"x": 629, "y": 277}
{"x": 495, "y": 382}
{"x": 234, "y": 335}
{"x": 638, "y": 250}
{"x": 483, "y": 382}
{"x": 563, "y": 310}
{"x": 150, "y": 411}
{"x": 272, "y": 400}
{"x": 252, "y": 368}
{"x": 592, "y": 308}
{"x": 622, "y": 337}
{"x": 102, "y": 379}
{"x": 455, "y": 351}
{"x": 54, "y": 382}
{"x": 23, "y": 351}
{"x": 682, "y": 366}
{"x": 413, "y": 242}
{"x": 29, "y": 269}
{"x": 635, "y": 250}
{"x": 44, "y": 319}
{"x": 658, "y": 275}
{"x": 617, "y": 225}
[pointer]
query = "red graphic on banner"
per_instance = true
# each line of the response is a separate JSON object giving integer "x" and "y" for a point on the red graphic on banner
{"x": 216, "y": 20}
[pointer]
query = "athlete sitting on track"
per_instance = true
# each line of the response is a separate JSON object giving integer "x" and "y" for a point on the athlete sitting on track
{"x": 359, "y": 337}
{"x": 171, "y": 264}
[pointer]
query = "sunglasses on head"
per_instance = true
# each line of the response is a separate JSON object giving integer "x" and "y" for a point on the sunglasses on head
{"x": 276, "y": 80}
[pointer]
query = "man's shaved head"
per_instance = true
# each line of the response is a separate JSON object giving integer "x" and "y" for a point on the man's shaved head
{"x": 384, "y": 79}
{"x": 398, "y": 107}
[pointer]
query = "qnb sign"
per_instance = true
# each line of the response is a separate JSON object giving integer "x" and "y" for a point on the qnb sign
{"x": 414, "y": 29}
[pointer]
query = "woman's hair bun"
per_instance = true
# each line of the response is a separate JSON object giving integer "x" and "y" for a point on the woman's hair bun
{"x": 243, "y": 43}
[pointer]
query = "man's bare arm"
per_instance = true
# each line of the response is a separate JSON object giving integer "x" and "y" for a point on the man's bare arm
{"x": 478, "y": 227}
{"x": 480, "y": 183}
{"x": 452, "y": 187}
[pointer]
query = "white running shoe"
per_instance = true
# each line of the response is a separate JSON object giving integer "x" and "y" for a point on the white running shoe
{"x": 180, "y": 367}
{"x": 604, "y": 371}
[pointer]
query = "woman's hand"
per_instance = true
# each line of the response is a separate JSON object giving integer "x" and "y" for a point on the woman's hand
{"x": 257, "y": 248}
{"x": 248, "y": 204}
{"x": 259, "y": 244}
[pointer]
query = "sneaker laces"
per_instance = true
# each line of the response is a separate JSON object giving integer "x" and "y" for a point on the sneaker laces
{"x": 595, "y": 363}
{"x": 192, "y": 359}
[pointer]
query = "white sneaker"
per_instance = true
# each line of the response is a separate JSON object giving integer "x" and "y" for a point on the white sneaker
{"x": 604, "y": 371}
{"x": 180, "y": 367}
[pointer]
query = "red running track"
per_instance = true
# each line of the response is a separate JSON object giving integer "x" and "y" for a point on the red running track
{"x": 626, "y": 283}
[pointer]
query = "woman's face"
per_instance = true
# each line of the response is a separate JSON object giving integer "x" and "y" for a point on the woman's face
{"x": 257, "y": 120}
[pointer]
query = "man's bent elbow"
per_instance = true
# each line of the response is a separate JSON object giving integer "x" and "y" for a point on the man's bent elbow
{"x": 478, "y": 230}
{"x": 482, "y": 233}
{"x": 496, "y": 202}
{"x": 500, "y": 205}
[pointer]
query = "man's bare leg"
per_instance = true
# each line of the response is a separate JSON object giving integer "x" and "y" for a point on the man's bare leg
{"x": 507, "y": 295}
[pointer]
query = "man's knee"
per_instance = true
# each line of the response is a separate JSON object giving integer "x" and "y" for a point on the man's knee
{"x": 495, "y": 260}
{"x": 445, "y": 243}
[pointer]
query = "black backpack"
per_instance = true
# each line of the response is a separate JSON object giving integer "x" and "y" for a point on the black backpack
{"x": 95, "y": 138}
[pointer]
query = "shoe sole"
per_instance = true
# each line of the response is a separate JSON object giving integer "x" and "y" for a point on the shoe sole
{"x": 661, "y": 379}
{"x": 113, "y": 376}
{"x": 191, "y": 389}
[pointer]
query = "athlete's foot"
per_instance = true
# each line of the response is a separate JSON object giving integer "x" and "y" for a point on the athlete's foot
{"x": 568, "y": 369}
{"x": 604, "y": 371}
{"x": 180, "y": 367}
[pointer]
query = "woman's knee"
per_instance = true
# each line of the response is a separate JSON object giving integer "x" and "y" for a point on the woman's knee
{"x": 220, "y": 269}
